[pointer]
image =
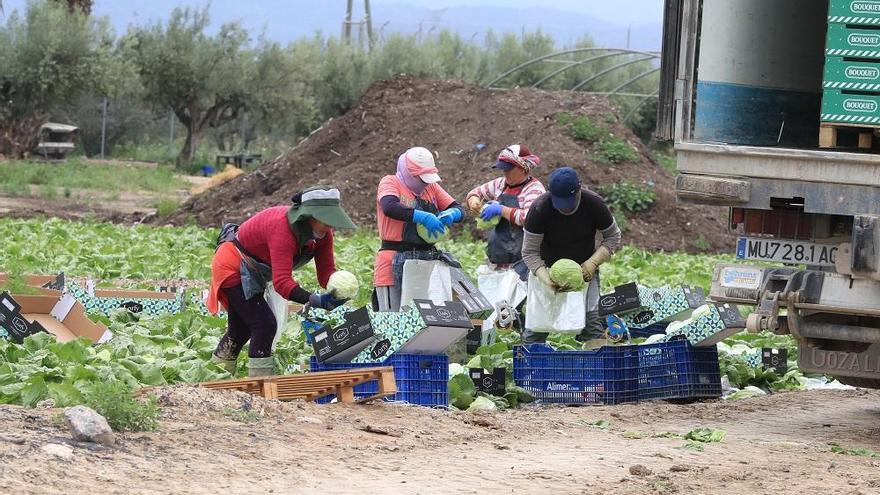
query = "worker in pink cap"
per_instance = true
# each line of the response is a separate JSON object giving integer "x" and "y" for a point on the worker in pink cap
{"x": 411, "y": 197}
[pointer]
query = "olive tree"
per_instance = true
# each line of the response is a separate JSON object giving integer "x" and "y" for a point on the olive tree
{"x": 210, "y": 81}
{"x": 50, "y": 55}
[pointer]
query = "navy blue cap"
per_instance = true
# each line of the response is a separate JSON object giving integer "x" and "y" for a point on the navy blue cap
{"x": 501, "y": 164}
{"x": 564, "y": 188}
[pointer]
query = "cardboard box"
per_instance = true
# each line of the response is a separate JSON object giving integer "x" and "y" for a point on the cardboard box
{"x": 466, "y": 292}
{"x": 197, "y": 301}
{"x": 843, "y": 108}
{"x": 752, "y": 357}
{"x": 844, "y": 41}
{"x": 343, "y": 342}
{"x": 862, "y": 75}
{"x": 864, "y": 12}
{"x": 708, "y": 328}
{"x": 490, "y": 383}
{"x": 13, "y": 325}
{"x": 624, "y": 298}
{"x": 392, "y": 329}
{"x": 106, "y": 301}
{"x": 64, "y": 317}
{"x": 775, "y": 359}
{"x": 480, "y": 336}
{"x": 444, "y": 325}
{"x": 51, "y": 282}
{"x": 423, "y": 327}
{"x": 640, "y": 307}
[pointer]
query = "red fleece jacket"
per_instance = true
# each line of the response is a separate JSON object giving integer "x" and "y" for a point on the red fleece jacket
{"x": 267, "y": 236}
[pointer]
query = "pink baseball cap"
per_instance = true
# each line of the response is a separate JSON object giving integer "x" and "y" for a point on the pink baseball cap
{"x": 420, "y": 163}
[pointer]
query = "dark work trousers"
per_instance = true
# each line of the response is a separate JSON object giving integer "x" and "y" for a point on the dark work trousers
{"x": 249, "y": 319}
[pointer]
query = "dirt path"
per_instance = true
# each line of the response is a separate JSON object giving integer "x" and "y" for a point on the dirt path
{"x": 777, "y": 444}
{"x": 78, "y": 204}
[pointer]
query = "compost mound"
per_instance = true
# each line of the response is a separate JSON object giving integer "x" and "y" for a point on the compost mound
{"x": 465, "y": 126}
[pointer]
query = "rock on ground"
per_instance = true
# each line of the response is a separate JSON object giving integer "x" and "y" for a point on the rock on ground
{"x": 86, "y": 425}
{"x": 639, "y": 470}
{"x": 62, "y": 452}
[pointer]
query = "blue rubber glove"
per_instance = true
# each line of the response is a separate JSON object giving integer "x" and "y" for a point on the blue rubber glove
{"x": 429, "y": 220}
{"x": 326, "y": 301}
{"x": 450, "y": 216}
{"x": 491, "y": 210}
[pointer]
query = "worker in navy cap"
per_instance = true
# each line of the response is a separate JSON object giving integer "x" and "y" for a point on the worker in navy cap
{"x": 564, "y": 223}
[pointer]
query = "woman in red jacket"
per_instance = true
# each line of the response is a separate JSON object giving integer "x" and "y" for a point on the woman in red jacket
{"x": 266, "y": 249}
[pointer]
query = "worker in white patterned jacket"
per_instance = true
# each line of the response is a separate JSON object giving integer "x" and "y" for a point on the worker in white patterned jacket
{"x": 507, "y": 198}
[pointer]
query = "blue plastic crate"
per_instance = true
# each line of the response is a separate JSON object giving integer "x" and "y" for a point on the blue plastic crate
{"x": 649, "y": 330}
{"x": 421, "y": 379}
{"x": 605, "y": 376}
{"x": 677, "y": 370}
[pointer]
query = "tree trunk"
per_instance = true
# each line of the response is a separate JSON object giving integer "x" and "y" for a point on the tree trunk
{"x": 194, "y": 135}
{"x": 18, "y": 137}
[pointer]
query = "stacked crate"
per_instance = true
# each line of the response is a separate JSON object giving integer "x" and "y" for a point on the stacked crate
{"x": 851, "y": 81}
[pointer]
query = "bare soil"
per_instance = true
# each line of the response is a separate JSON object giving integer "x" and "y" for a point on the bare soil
{"x": 82, "y": 204}
{"x": 774, "y": 445}
{"x": 451, "y": 118}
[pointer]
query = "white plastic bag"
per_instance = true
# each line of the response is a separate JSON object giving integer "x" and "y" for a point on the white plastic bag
{"x": 425, "y": 279}
{"x": 501, "y": 285}
{"x": 548, "y": 311}
{"x": 497, "y": 286}
{"x": 279, "y": 307}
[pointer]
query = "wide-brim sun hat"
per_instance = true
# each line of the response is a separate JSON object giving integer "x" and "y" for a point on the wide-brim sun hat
{"x": 323, "y": 203}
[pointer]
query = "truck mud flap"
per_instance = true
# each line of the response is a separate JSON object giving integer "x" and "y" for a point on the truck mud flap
{"x": 840, "y": 363}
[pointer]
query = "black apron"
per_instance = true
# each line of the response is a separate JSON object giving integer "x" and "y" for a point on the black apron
{"x": 413, "y": 247}
{"x": 506, "y": 239}
{"x": 411, "y": 235}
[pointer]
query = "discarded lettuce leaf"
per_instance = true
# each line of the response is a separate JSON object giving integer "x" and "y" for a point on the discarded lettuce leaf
{"x": 705, "y": 435}
{"x": 482, "y": 404}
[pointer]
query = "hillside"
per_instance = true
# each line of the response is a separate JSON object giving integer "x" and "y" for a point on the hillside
{"x": 356, "y": 150}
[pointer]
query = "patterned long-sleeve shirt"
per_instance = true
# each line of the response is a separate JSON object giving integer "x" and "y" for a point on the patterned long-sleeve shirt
{"x": 526, "y": 193}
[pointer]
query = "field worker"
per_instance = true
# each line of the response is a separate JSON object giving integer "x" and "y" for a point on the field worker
{"x": 563, "y": 223}
{"x": 265, "y": 250}
{"x": 411, "y": 197}
{"x": 508, "y": 198}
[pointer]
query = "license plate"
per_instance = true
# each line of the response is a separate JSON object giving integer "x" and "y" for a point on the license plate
{"x": 792, "y": 252}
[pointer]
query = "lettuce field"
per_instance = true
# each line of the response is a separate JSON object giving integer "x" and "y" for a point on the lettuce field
{"x": 149, "y": 351}
{"x": 107, "y": 251}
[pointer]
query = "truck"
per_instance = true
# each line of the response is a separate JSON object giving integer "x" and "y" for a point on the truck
{"x": 56, "y": 140}
{"x": 744, "y": 96}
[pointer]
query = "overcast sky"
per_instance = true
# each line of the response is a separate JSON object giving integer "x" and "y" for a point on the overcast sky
{"x": 613, "y": 11}
{"x": 621, "y": 12}
{"x": 610, "y": 23}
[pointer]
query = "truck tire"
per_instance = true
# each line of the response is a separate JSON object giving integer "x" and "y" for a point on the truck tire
{"x": 859, "y": 381}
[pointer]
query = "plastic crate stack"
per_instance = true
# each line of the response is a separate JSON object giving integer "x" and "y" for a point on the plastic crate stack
{"x": 605, "y": 376}
{"x": 422, "y": 380}
{"x": 677, "y": 370}
{"x": 618, "y": 374}
{"x": 851, "y": 81}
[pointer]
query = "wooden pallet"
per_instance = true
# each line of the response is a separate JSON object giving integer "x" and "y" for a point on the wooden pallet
{"x": 830, "y": 133}
{"x": 311, "y": 386}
